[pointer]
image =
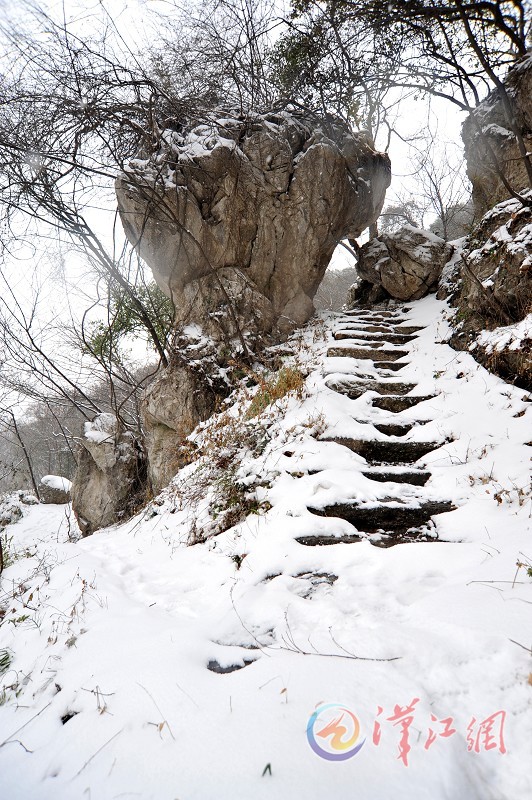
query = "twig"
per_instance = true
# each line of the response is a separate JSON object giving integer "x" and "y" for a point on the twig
{"x": 86, "y": 764}
{"x": 158, "y": 709}
{"x": 528, "y": 649}
{"x": 17, "y": 741}
{"x": 26, "y": 723}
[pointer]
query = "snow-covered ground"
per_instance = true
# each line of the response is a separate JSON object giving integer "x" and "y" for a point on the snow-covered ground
{"x": 109, "y": 694}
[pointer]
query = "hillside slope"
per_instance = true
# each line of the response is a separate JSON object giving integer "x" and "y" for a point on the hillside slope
{"x": 124, "y": 647}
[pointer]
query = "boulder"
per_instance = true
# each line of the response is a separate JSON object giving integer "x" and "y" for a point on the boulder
{"x": 406, "y": 264}
{"x": 173, "y": 405}
{"x": 253, "y": 208}
{"x": 489, "y": 131}
{"x": 110, "y": 480}
{"x": 54, "y": 489}
{"x": 364, "y": 293}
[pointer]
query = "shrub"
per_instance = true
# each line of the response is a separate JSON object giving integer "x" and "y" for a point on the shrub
{"x": 288, "y": 379}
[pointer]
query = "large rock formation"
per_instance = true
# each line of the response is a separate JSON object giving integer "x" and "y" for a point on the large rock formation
{"x": 489, "y": 133}
{"x": 404, "y": 265}
{"x": 110, "y": 478}
{"x": 238, "y": 219}
{"x": 253, "y": 207}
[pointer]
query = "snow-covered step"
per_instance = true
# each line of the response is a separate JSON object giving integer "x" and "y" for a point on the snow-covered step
{"x": 371, "y": 353}
{"x": 382, "y": 328}
{"x": 393, "y": 338}
{"x": 388, "y": 451}
{"x": 366, "y": 342}
{"x": 392, "y": 365}
{"x": 355, "y": 389}
{"x": 394, "y": 429}
{"x": 394, "y": 474}
{"x": 372, "y": 315}
{"x": 396, "y": 403}
{"x": 393, "y": 517}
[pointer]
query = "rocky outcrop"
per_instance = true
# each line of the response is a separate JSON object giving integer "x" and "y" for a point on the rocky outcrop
{"x": 404, "y": 265}
{"x": 183, "y": 395}
{"x": 238, "y": 219}
{"x": 54, "y": 489}
{"x": 110, "y": 480}
{"x": 251, "y": 208}
{"x": 490, "y": 140}
{"x": 491, "y": 285}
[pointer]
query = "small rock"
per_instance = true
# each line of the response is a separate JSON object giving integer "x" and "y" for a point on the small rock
{"x": 54, "y": 489}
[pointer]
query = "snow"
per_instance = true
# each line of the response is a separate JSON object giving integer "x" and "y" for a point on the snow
{"x": 497, "y": 131}
{"x": 57, "y": 482}
{"x": 118, "y": 629}
{"x": 103, "y": 428}
{"x": 507, "y": 336}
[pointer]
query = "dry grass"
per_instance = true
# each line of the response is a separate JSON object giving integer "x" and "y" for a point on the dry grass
{"x": 286, "y": 381}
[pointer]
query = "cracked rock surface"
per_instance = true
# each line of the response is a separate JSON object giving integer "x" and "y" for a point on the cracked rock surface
{"x": 406, "y": 264}
{"x": 250, "y": 210}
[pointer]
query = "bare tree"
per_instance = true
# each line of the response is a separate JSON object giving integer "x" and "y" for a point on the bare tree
{"x": 458, "y": 50}
{"x": 440, "y": 199}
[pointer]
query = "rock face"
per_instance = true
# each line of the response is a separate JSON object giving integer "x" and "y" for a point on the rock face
{"x": 494, "y": 291}
{"x": 253, "y": 209}
{"x": 405, "y": 264}
{"x": 490, "y": 129}
{"x": 238, "y": 219}
{"x": 111, "y": 476}
{"x": 172, "y": 407}
{"x": 54, "y": 489}
{"x": 499, "y": 253}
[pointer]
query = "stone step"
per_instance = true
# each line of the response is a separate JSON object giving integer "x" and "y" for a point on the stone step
{"x": 392, "y": 429}
{"x": 411, "y": 476}
{"x": 371, "y": 353}
{"x": 409, "y": 329}
{"x": 388, "y": 517}
{"x": 387, "y": 451}
{"x": 365, "y": 342}
{"x": 370, "y": 315}
{"x": 393, "y": 338}
{"x": 215, "y": 666}
{"x": 392, "y": 365}
{"x": 373, "y": 328}
{"x": 381, "y": 329}
{"x": 354, "y": 389}
{"x": 395, "y": 403}
{"x": 380, "y": 539}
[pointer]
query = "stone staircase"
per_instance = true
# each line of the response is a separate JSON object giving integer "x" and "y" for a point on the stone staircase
{"x": 380, "y": 336}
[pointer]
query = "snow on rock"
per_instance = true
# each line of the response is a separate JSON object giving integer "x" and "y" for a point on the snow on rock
{"x": 499, "y": 254}
{"x": 102, "y": 428}
{"x": 110, "y": 479}
{"x": 57, "y": 482}
{"x": 144, "y": 667}
{"x": 12, "y": 506}
{"x": 512, "y": 337}
{"x": 55, "y": 489}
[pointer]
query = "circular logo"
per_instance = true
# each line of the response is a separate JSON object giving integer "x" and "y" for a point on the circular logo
{"x": 333, "y": 732}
